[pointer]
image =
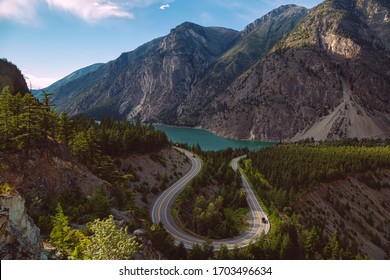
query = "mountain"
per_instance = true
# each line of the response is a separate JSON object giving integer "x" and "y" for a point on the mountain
{"x": 174, "y": 76}
{"x": 152, "y": 80}
{"x": 328, "y": 79}
{"x": 71, "y": 77}
{"x": 256, "y": 40}
{"x": 11, "y": 76}
{"x": 290, "y": 75}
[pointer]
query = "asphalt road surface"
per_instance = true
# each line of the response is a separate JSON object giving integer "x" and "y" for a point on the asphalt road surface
{"x": 162, "y": 211}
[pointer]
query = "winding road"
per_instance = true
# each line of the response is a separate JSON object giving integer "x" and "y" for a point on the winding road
{"x": 162, "y": 211}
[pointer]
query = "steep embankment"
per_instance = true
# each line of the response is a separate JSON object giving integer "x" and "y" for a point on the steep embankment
{"x": 339, "y": 192}
{"x": 153, "y": 173}
{"x": 357, "y": 208}
{"x": 49, "y": 170}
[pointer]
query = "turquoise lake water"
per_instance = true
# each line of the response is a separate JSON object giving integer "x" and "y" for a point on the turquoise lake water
{"x": 207, "y": 140}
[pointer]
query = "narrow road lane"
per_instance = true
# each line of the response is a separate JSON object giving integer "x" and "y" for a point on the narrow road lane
{"x": 162, "y": 211}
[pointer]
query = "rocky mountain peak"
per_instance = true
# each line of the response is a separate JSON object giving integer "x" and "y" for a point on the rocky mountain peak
{"x": 189, "y": 36}
{"x": 287, "y": 10}
{"x": 281, "y": 75}
{"x": 343, "y": 27}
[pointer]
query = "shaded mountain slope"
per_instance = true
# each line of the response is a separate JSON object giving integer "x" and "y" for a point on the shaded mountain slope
{"x": 71, "y": 77}
{"x": 330, "y": 75}
{"x": 256, "y": 40}
{"x": 11, "y": 76}
{"x": 152, "y": 80}
{"x": 290, "y": 75}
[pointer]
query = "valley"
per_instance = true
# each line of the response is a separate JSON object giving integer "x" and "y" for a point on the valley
{"x": 162, "y": 212}
{"x": 208, "y": 143}
{"x": 282, "y": 78}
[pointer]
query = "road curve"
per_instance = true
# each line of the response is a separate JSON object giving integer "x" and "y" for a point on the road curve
{"x": 162, "y": 211}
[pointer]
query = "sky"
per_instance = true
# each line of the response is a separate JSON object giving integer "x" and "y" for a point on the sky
{"x": 49, "y": 39}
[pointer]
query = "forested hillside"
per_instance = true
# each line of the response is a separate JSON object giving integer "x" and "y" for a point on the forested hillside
{"x": 71, "y": 167}
{"x": 289, "y": 170}
{"x": 214, "y": 204}
{"x": 330, "y": 192}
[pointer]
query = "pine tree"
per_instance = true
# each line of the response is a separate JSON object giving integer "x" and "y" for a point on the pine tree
{"x": 181, "y": 252}
{"x": 196, "y": 253}
{"x": 48, "y": 116}
{"x": 64, "y": 128}
{"x": 5, "y": 119}
{"x": 62, "y": 236}
{"x": 331, "y": 250}
{"x": 30, "y": 118}
{"x": 208, "y": 249}
{"x": 223, "y": 253}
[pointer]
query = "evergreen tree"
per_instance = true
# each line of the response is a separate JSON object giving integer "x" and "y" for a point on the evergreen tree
{"x": 100, "y": 203}
{"x": 65, "y": 128}
{"x": 181, "y": 252}
{"x": 196, "y": 252}
{"x": 30, "y": 119}
{"x": 331, "y": 250}
{"x": 223, "y": 253}
{"x": 49, "y": 117}
{"x": 6, "y": 119}
{"x": 62, "y": 236}
{"x": 313, "y": 243}
{"x": 208, "y": 250}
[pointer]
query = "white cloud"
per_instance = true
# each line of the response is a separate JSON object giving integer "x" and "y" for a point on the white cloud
{"x": 91, "y": 10}
{"x": 206, "y": 16}
{"x": 166, "y": 6}
{"x": 18, "y": 10}
{"x": 38, "y": 82}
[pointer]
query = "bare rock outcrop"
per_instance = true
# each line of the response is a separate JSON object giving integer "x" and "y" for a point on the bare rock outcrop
{"x": 19, "y": 237}
{"x": 282, "y": 78}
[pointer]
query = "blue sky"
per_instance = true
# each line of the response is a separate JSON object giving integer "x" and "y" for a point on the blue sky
{"x": 49, "y": 39}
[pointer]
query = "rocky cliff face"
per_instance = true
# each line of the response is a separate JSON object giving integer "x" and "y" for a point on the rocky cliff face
{"x": 151, "y": 81}
{"x": 19, "y": 237}
{"x": 257, "y": 39}
{"x": 40, "y": 176}
{"x": 328, "y": 79}
{"x": 290, "y": 75}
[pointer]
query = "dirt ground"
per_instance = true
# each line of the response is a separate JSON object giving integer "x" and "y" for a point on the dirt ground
{"x": 151, "y": 170}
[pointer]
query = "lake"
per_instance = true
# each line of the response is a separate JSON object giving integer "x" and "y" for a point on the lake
{"x": 207, "y": 140}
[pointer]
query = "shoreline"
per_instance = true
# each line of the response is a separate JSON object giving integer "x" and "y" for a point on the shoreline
{"x": 214, "y": 134}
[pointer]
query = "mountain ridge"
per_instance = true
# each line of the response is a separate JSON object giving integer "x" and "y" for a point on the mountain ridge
{"x": 304, "y": 79}
{"x": 71, "y": 77}
{"x": 278, "y": 79}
